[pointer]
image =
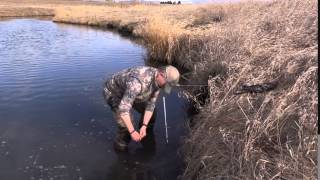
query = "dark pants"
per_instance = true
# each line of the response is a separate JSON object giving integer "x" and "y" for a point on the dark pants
{"x": 123, "y": 137}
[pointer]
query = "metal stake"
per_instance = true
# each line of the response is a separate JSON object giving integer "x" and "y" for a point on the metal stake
{"x": 165, "y": 117}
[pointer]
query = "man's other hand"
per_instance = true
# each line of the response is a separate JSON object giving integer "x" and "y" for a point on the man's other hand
{"x": 143, "y": 132}
{"x": 135, "y": 136}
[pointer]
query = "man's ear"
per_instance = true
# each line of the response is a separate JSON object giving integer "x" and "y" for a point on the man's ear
{"x": 158, "y": 74}
{"x": 162, "y": 74}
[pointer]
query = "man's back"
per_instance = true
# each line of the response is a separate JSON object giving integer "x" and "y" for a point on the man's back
{"x": 141, "y": 77}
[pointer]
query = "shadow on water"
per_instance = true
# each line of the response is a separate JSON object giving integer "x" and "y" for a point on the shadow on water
{"x": 54, "y": 123}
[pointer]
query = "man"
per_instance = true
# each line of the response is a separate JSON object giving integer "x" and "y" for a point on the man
{"x": 137, "y": 88}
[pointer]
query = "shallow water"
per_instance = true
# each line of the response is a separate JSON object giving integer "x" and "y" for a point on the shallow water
{"x": 54, "y": 123}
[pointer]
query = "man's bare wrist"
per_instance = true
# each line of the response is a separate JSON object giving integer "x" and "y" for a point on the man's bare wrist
{"x": 131, "y": 132}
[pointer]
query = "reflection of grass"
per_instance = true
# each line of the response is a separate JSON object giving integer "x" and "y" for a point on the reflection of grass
{"x": 254, "y": 136}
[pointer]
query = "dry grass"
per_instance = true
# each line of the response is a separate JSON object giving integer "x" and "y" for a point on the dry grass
{"x": 204, "y": 16}
{"x": 10, "y": 11}
{"x": 260, "y": 136}
{"x": 119, "y": 15}
{"x": 270, "y": 135}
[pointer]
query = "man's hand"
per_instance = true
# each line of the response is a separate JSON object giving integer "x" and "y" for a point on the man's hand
{"x": 135, "y": 136}
{"x": 143, "y": 131}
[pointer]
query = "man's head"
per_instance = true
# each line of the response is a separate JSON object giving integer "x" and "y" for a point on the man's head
{"x": 167, "y": 77}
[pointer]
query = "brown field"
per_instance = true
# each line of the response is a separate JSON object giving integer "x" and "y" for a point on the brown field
{"x": 269, "y": 135}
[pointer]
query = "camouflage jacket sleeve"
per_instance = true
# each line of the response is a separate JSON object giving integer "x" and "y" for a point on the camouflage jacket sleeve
{"x": 132, "y": 90}
{"x": 151, "y": 104}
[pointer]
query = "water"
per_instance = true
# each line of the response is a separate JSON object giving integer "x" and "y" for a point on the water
{"x": 54, "y": 123}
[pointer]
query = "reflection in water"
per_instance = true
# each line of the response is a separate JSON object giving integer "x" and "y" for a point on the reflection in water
{"x": 54, "y": 123}
{"x": 134, "y": 166}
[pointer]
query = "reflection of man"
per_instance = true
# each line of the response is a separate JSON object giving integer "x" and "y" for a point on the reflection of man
{"x": 137, "y": 166}
{"x": 137, "y": 87}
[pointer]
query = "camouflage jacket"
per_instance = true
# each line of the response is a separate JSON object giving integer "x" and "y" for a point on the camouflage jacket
{"x": 135, "y": 84}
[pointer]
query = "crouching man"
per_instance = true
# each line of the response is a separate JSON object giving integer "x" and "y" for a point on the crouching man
{"x": 137, "y": 88}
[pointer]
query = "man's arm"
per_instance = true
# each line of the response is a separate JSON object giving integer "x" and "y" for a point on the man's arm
{"x": 151, "y": 104}
{"x": 132, "y": 90}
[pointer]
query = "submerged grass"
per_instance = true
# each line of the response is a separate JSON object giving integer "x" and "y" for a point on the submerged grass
{"x": 269, "y": 135}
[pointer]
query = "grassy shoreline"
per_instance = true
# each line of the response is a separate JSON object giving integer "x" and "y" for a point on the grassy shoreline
{"x": 248, "y": 136}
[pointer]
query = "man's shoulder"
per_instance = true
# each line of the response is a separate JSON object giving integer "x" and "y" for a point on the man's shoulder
{"x": 143, "y": 69}
{"x": 142, "y": 72}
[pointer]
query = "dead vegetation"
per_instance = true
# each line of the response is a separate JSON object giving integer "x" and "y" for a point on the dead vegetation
{"x": 270, "y": 135}
{"x": 204, "y": 16}
{"x": 260, "y": 136}
{"x": 25, "y": 12}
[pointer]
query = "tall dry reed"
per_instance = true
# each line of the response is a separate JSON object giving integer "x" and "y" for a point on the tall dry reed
{"x": 260, "y": 136}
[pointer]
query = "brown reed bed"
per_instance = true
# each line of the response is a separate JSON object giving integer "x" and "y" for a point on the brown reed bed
{"x": 269, "y": 135}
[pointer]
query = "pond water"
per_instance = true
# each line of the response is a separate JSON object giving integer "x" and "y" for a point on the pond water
{"x": 54, "y": 123}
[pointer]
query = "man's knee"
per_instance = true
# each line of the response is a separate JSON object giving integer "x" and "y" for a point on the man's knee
{"x": 122, "y": 139}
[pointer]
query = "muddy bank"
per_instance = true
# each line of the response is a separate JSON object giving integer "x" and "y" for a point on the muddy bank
{"x": 244, "y": 136}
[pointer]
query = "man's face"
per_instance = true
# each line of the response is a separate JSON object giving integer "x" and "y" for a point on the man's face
{"x": 161, "y": 80}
